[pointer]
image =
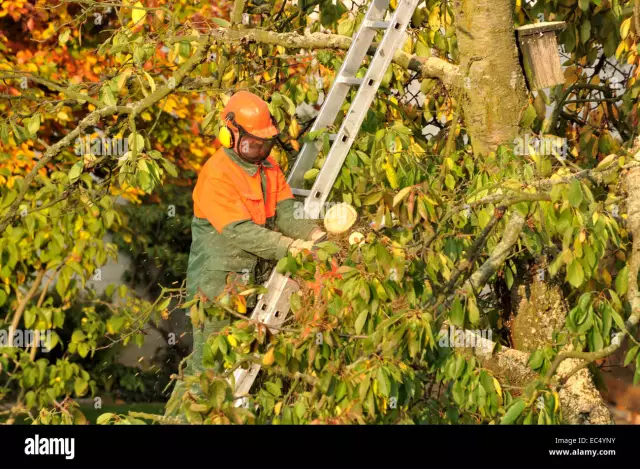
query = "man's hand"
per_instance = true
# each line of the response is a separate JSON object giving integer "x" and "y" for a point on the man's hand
{"x": 317, "y": 236}
{"x": 299, "y": 245}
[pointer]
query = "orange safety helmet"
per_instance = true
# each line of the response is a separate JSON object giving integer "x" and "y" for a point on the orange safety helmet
{"x": 251, "y": 113}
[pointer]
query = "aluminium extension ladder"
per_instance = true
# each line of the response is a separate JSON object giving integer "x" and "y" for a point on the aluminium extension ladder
{"x": 273, "y": 306}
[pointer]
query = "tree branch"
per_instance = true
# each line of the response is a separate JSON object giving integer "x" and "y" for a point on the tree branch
{"x": 431, "y": 67}
{"x": 23, "y": 304}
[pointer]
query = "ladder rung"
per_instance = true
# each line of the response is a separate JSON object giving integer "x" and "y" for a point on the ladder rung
{"x": 300, "y": 192}
{"x": 377, "y": 24}
{"x": 352, "y": 81}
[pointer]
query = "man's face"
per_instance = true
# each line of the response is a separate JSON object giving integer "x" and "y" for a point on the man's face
{"x": 253, "y": 149}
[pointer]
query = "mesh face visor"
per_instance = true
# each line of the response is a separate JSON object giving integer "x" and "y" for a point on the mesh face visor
{"x": 254, "y": 147}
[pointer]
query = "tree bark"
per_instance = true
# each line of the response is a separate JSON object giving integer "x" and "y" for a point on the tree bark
{"x": 580, "y": 401}
{"x": 496, "y": 93}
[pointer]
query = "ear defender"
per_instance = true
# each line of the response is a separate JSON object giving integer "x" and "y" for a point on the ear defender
{"x": 225, "y": 135}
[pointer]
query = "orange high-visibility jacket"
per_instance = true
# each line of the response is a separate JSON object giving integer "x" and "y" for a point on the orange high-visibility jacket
{"x": 230, "y": 190}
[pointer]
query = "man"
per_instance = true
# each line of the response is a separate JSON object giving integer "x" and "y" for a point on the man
{"x": 240, "y": 194}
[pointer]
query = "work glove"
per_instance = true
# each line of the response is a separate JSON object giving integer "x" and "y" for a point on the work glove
{"x": 298, "y": 245}
{"x": 317, "y": 236}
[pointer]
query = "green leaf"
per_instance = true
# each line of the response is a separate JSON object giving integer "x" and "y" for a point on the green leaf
{"x": 513, "y": 413}
{"x": 575, "y": 194}
{"x": 474, "y": 312}
{"x": 373, "y": 198}
{"x": 109, "y": 216}
{"x": 596, "y": 339}
{"x": 402, "y": 194}
{"x": 33, "y": 124}
{"x": 508, "y": 275}
{"x": 311, "y": 174}
{"x": 631, "y": 354}
{"x": 207, "y": 120}
{"x": 75, "y": 172}
{"x": 104, "y": 418}
{"x": 83, "y": 349}
{"x": 218, "y": 393}
{"x": 618, "y": 320}
{"x": 4, "y": 134}
{"x": 450, "y": 182}
{"x": 80, "y": 387}
{"x": 273, "y": 389}
{"x": 64, "y": 36}
{"x": 346, "y": 27}
{"x": 456, "y": 314}
{"x": 3, "y": 297}
{"x": 536, "y": 359}
{"x": 362, "y": 317}
{"x": 29, "y": 318}
{"x": 584, "y": 4}
{"x": 586, "y": 324}
{"x": 528, "y": 117}
{"x": 77, "y": 336}
{"x": 585, "y": 31}
{"x": 575, "y": 273}
{"x": 221, "y": 22}
{"x": 281, "y": 266}
{"x": 622, "y": 280}
{"x": 383, "y": 382}
{"x": 170, "y": 168}
{"x": 139, "y": 141}
{"x": 106, "y": 95}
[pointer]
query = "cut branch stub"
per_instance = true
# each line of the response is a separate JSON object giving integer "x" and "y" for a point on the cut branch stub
{"x": 540, "y": 58}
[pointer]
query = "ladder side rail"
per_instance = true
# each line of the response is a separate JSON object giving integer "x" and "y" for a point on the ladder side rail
{"x": 339, "y": 90}
{"x": 359, "y": 107}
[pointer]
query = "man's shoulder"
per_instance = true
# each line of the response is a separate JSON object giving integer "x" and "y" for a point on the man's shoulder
{"x": 218, "y": 166}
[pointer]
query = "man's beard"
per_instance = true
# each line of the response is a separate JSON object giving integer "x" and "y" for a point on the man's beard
{"x": 253, "y": 160}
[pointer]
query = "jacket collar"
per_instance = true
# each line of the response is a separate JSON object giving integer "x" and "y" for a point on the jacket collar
{"x": 250, "y": 168}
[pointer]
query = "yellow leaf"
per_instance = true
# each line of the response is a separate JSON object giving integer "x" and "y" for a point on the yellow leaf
{"x": 496, "y": 384}
{"x": 294, "y": 128}
{"x": 241, "y": 304}
{"x": 277, "y": 407}
{"x": 606, "y": 276}
{"x": 232, "y": 340}
{"x": 391, "y": 175}
{"x": 622, "y": 48}
{"x": 228, "y": 77}
{"x": 152, "y": 84}
{"x": 556, "y": 399}
{"x": 434, "y": 19}
{"x": 269, "y": 357}
{"x": 624, "y": 28}
{"x": 138, "y": 13}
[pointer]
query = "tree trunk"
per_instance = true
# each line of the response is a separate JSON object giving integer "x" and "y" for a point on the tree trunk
{"x": 495, "y": 87}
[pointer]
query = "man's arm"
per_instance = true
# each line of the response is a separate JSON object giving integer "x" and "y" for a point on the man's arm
{"x": 222, "y": 205}
{"x": 290, "y": 214}
{"x": 257, "y": 240}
